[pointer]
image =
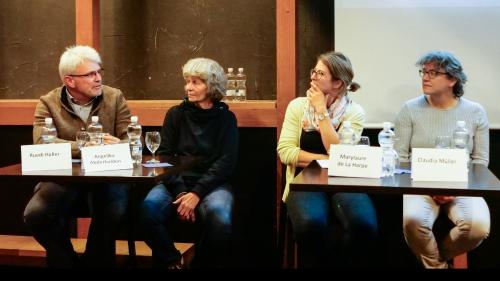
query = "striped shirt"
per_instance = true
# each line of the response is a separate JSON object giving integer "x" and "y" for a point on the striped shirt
{"x": 418, "y": 124}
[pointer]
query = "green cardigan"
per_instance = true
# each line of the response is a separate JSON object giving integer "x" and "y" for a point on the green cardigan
{"x": 289, "y": 142}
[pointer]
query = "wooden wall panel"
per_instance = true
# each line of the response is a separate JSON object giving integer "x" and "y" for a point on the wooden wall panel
{"x": 259, "y": 114}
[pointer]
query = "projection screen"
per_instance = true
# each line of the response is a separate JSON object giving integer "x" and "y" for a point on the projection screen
{"x": 383, "y": 39}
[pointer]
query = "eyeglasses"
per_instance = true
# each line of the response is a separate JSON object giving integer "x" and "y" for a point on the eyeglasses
{"x": 320, "y": 74}
{"x": 90, "y": 75}
{"x": 431, "y": 73}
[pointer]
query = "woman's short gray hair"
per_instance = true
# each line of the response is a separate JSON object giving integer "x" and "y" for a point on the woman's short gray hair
{"x": 450, "y": 64}
{"x": 74, "y": 56}
{"x": 211, "y": 73}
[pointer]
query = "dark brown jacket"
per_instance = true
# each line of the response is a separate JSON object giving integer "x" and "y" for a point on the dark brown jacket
{"x": 111, "y": 107}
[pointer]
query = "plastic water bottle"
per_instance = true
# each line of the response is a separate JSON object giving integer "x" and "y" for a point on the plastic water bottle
{"x": 49, "y": 132}
{"x": 134, "y": 132}
{"x": 95, "y": 132}
{"x": 241, "y": 88}
{"x": 386, "y": 139}
{"x": 346, "y": 134}
{"x": 231, "y": 85}
{"x": 461, "y": 136}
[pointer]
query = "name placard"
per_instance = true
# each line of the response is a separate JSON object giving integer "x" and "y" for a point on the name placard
{"x": 359, "y": 161}
{"x": 434, "y": 164}
{"x": 40, "y": 157}
{"x": 106, "y": 157}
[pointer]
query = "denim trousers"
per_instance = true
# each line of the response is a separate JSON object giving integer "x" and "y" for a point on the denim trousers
{"x": 214, "y": 212}
{"x": 313, "y": 215}
{"x": 471, "y": 219}
{"x": 48, "y": 212}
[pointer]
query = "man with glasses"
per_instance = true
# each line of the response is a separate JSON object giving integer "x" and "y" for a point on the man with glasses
{"x": 71, "y": 107}
{"x": 418, "y": 124}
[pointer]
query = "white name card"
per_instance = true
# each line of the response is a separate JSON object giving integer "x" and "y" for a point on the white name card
{"x": 359, "y": 161}
{"x": 433, "y": 164}
{"x": 40, "y": 157}
{"x": 106, "y": 157}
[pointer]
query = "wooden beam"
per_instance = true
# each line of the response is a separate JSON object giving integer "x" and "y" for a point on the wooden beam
{"x": 286, "y": 69}
{"x": 87, "y": 23}
{"x": 286, "y": 76}
{"x": 255, "y": 113}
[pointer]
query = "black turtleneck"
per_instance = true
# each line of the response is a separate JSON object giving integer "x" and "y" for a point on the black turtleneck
{"x": 210, "y": 133}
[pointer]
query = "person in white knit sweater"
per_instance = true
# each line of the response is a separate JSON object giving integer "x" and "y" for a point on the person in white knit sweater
{"x": 417, "y": 125}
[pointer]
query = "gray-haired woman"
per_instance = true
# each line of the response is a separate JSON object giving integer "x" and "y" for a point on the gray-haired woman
{"x": 200, "y": 126}
{"x": 419, "y": 123}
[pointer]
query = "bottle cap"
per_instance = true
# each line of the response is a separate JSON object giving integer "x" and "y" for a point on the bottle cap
{"x": 230, "y": 69}
{"x": 48, "y": 120}
{"x": 134, "y": 119}
{"x": 240, "y": 69}
{"x": 95, "y": 119}
{"x": 387, "y": 125}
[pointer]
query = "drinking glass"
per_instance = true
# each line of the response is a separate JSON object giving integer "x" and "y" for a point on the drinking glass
{"x": 153, "y": 142}
{"x": 443, "y": 142}
{"x": 364, "y": 140}
{"x": 82, "y": 138}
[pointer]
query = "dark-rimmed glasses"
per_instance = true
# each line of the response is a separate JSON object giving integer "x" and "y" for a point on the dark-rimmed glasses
{"x": 430, "y": 73}
{"x": 90, "y": 75}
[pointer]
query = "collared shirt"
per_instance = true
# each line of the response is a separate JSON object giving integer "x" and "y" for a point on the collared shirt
{"x": 82, "y": 110}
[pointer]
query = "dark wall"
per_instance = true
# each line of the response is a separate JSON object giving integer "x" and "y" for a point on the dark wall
{"x": 315, "y": 35}
{"x": 145, "y": 43}
{"x": 33, "y": 34}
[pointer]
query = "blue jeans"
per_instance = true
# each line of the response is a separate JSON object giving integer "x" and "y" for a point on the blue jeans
{"x": 214, "y": 212}
{"x": 312, "y": 215}
{"x": 50, "y": 208}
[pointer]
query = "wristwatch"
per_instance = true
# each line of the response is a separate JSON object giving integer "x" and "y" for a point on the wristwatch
{"x": 322, "y": 116}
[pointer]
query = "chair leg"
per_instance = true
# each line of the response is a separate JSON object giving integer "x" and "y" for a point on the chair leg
{"x": 290, "y": 256}
{"x": 460, "y": 261}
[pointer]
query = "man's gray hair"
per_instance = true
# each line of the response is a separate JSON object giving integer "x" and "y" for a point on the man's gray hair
{"x": 74, "y": 56}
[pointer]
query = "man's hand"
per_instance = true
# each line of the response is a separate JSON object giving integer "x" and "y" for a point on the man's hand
{"x": 109, "y": 139}
{"x": 186, "y": 205}
{"x": 442, "y": 199}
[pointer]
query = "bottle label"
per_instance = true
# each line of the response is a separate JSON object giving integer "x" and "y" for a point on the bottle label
{"x": 231, "y": 93}
{"x": 242, "y": 92}
{"x": 136, "y": 150}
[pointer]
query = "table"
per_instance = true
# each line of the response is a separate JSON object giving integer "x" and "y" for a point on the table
{"x": 138, "y": 175}
{"x": 482, "y": 182}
